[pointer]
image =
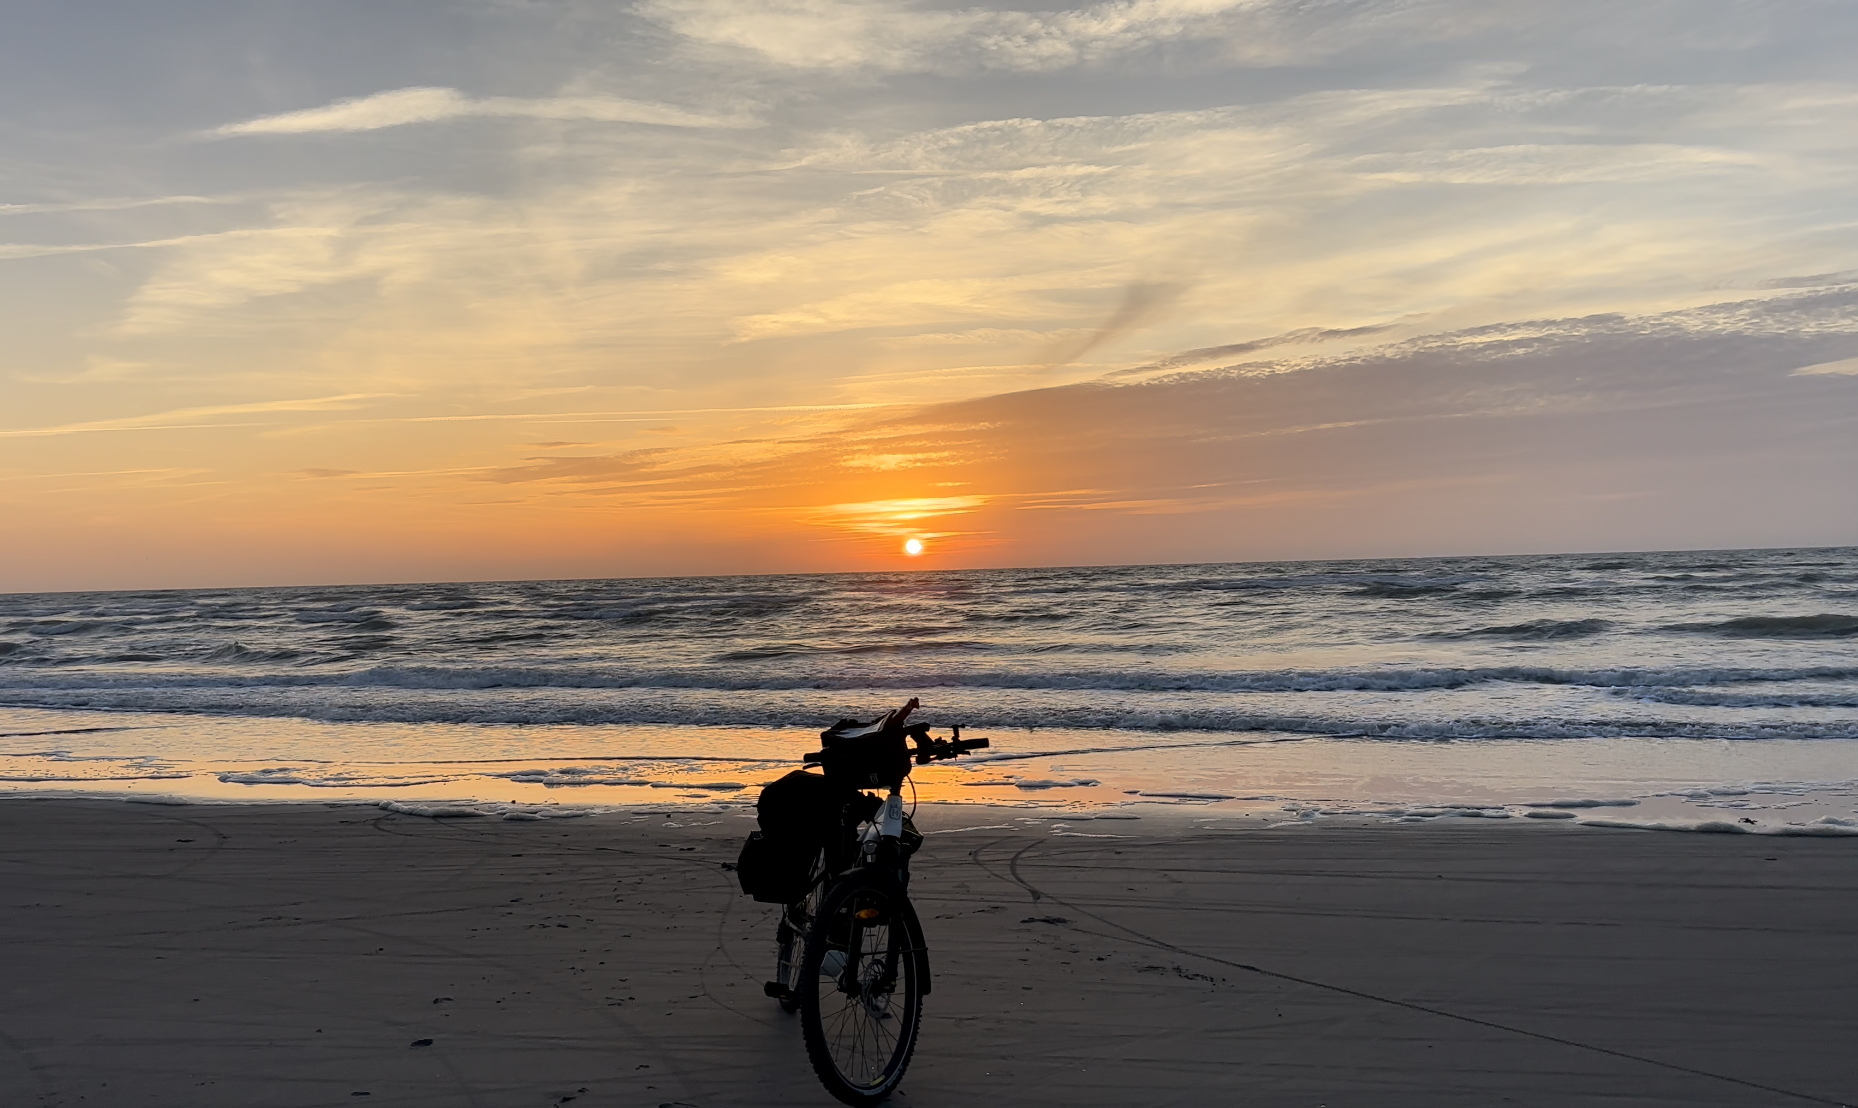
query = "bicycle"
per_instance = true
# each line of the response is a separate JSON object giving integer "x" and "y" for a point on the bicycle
{"x": 836, "y": 858}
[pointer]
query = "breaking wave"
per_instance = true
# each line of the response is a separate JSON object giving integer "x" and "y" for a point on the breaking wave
{"x": 21, "y": 688}
{"x": 1823, "y": 626}
{"x": 1535, "y": 630}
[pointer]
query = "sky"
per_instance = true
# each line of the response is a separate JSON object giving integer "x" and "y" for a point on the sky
{"x": 335, "y": 291}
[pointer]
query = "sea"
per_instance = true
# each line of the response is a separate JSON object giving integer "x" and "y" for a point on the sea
{"x": 1695, "y": 690}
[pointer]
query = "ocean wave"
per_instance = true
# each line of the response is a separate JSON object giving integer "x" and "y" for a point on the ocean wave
{"x": 1387, "y": 649}
{"x": 19, "y": 684}
{"x": 100, "y": 778}
{"x": 1585, "y": 802}
{"x": 1713, "y": 698}
{"x": 1828, "y": 827}
{"x": 286, "y": 775}
{"x": 239, "y": 653}
{"x": 642, "y": 606}
{"x": 1398, "y": 585}
{"x": 800, "y": 650}
{"x": 1826, "y": 625}
{"x": 1020, "y": 615}
{"x": 433, "y": 811}
{"x": 47, "y": 628}
{"x": 1535, "y": 630}
{"x": 459, "y": 810}
{"x": 358, "y": 616}
{"x": 1394, "y": 590}
{"x": 808, "y": 712}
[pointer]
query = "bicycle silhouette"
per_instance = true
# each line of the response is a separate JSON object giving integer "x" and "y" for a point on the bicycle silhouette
{"x": 851, "y": 957}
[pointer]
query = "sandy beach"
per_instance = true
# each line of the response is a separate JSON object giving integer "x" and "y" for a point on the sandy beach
{"x": 311, "y": 955}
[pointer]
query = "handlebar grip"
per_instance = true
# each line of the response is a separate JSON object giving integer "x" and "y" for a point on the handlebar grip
{"x": 971, "y": 744}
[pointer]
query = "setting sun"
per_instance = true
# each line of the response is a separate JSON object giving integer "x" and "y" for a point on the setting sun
{"x": 913, "y": 547}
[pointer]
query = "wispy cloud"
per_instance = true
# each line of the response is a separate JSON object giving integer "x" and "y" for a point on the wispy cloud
{"x": 421, "y": 104}
{"x": 1142, "y": 303}
{"x": 904, "y": 516}
{"x": 889, "y": 36}
{"x": 191, "y": 418}
{"x": 897, "y": 461}
{"x": 1301, "y": 336}
{"x": 1810, "y": 281}
{"x": 1844, "y": 367}
{"x": 187, "y": 418}
{"x": 1013, "y": 227}
{"x": 104, "y": 204}
{"x": 646, "y": 415}
{"x": 15, "y": 251}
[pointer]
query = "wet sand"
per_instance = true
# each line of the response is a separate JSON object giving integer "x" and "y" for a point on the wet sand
{"x": 300, "y": 955}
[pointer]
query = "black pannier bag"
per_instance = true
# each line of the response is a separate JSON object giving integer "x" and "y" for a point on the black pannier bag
{"x": 801, "y": 806}
{"x": 772, "y": 870}
{"x": 798, "y": 815}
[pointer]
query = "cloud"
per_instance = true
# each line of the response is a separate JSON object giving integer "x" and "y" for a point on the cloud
{"x": 1810, "y": 281}
{"x": 835, "y": 34}
{"x": 1510, "y": 436}
{"x": 901, "y": 303}
{"x": 900, "y": 517}
{"x": 12, "y": 251}
{"x": 1844, "y": 367}
{"x": 1281, "y": 215}
{"x": 1142, "y": 303}
{"x": 1302, "y": 335}
{"x": 104, "y": 204}
{"x": 597, "y": 469}
{"x": 189, "y": 418}
{"x": 896, "y": 461}
{"x": 888, "y": 36}
{"x": 400, "y": 107}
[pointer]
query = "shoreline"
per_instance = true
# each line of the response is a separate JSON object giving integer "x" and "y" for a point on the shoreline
{"x": 300, "y": 955}
{"x": 1184, "y": 814}
{"x": 1781, "y": 785}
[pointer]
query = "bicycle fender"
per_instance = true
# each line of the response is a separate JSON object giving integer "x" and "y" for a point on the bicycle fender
{"x": 912, "y": 926}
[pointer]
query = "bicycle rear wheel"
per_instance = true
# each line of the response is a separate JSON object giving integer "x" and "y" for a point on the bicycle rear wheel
{"x": 861, "y": 995}
{"x": 790, "y": 936}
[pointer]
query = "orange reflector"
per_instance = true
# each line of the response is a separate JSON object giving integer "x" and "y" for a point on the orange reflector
{"x": 867, "y": 914}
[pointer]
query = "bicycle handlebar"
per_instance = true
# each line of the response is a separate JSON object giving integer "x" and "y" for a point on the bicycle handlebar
{"x": 922, "y": 751}
{"x": 936, "y": 750}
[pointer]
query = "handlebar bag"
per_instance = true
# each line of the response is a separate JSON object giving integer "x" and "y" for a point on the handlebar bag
{"x": 880, "y": 760}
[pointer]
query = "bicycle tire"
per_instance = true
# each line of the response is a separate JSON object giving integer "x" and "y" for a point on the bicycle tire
{"x": 790, "y": 936}
{"x": 860, "y": 1024}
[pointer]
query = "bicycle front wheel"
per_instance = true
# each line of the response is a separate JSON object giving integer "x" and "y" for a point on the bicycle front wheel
{"x": 861, "y": 993}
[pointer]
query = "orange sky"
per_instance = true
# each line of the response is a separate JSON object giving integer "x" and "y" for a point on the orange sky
{"x": 706, "y": 287}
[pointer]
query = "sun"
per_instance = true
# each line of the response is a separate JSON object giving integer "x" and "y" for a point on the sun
{"x": 913, "y": 547}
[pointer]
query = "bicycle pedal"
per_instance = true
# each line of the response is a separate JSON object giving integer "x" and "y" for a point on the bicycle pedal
{"x": 777, "y": 990}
